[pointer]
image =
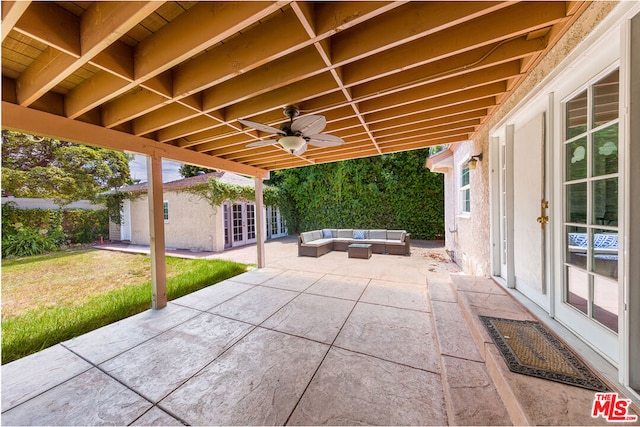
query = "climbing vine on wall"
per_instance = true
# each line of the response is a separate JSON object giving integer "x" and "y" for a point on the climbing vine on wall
{"x": 217, "y": 192}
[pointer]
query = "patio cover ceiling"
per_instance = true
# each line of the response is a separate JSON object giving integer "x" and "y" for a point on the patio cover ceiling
{"x": 173, "y": 78}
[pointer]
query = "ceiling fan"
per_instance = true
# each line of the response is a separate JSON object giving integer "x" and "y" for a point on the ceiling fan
{"x": 295, "y": 135}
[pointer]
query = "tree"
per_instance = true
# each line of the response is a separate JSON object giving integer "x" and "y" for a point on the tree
{"x": 59, "y": 170}
{"x": 189, "y": 170}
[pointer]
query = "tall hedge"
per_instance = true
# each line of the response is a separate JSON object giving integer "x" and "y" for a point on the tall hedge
{"x": 393, "y": 191}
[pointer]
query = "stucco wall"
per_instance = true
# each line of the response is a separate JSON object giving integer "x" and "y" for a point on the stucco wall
{"x": 191, "y": 224}
{"x": 471, "y": 243}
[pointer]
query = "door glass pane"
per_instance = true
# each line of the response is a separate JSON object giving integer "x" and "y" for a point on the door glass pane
{"x": 225, "y": 219}
{"x": 251, "y": 222}
{"x": 605, "y": 151}
{"x": 605, "y": 202}
{"x": 577, "y": 246}
{"x": 577, "y": 203}
{"x": 576, "y": 115}
{"x": 577, "y": 289}
{"x": 605, "y": 302}
{"x": 605, "y": 99}
{"x": 237, "y": 223}
{"x": 577, "y": 159}
{"x": 605, "y": 253}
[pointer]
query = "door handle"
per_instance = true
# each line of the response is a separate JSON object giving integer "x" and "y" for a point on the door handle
{"x": 543, "y": 219}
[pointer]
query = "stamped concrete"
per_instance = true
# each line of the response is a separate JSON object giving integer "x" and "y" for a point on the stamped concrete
{"x": 91, "y": 398}
{"x": 394, "y": 334}
{"x": 327, "y": 340}
{"x": 397, "y": 294}
{"x": 379, "y": 392}
{"x": 312, "y": 316}
{"x": 244, "y": 308}
{"x": 258, "y": 382}
{"x": 185, "y": 350}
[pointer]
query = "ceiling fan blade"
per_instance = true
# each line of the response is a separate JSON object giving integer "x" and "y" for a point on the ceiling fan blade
{"x": 261, "y": 143}
{"x": 260, "y": 126}
{"x": 324, "y": 140}
{"x": 309, "y": 125}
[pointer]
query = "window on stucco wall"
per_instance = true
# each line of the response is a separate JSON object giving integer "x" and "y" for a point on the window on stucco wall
{"x": 165, "y": 211}
{"x": 465, "y": 190}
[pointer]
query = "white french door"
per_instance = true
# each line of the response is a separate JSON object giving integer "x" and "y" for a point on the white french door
{"x": 588, "y": 300}
{"x": 243, "y": 223}
{"x": 530, "y": 208}
{"x": 275, "y": 223}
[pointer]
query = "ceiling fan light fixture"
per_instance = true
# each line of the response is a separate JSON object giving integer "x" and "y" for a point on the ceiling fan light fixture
{"x": 292, "y": 143}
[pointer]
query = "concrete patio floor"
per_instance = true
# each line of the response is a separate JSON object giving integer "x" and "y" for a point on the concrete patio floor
{"x": 391, "y": 340}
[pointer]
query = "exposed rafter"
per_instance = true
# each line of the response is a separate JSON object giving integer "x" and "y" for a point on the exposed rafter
{"x": 177, "y": 76}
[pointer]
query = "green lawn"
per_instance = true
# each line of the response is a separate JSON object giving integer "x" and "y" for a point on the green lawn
{"x": 51, "y": 298}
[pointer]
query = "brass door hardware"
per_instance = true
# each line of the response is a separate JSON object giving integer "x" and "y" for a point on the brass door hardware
{"x": 543, "y": 219}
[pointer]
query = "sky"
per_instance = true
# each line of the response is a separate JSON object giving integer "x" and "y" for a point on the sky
{"x": 138, "y": 168}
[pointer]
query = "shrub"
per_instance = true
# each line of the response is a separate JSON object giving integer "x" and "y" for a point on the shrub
{"x": 29, "y": 241}
{"x": 49, "y": 228}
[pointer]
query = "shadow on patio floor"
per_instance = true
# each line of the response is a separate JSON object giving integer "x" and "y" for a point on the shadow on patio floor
{"x": 332, "y": 340}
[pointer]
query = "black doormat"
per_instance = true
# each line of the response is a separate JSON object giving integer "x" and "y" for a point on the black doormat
{"x": 529, "y": 348}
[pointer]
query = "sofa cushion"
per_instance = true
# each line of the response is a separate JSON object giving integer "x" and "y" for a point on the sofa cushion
{"x": 394, "y": 242}
{"x": 326, "y": 233}
{"x": 307, "y": 236}
{"x": 345, "y": 233}
{"x": 396, "y": 235}
{"x": 378, "y": 234}
{"x": 317, "y": 234}
{"x": 319, "y": 242}
{"x": 359, "y": 234}
{"x": 578, "y": 239}
{"x": 605, "y": 241}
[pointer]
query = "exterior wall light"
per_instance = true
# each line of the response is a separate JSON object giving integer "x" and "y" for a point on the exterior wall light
{"x": 473, "y": 161}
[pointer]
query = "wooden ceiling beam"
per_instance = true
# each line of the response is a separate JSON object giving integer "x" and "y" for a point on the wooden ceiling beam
{"x": 189, "y": 127}
{"x": 52, "y": 25}
{"x": 132, "y": 105}
{"x": 467, "y": 119}
{"x": 462, "y": 97}
{"x": 462, "y": 63}
{"x": 502, "y": 25}
{"x": 446, "y": 86}
{"x": 117, "y": 59}
{"x": 165, "y": 116}
{"x": 37, "y": 122}
{"x": 404, "y": 24}
{"x": 251, "y": 49}
{"x": 12, "y": 11}
{"x": 297, "y": 66}
{"x": 294, "y": 93}
{"x": 465, "y": 128}
{"x": 73, "y": 41}
{"x": 176, "y": 42}
{"x": 474, "y": 107}
{"x": 335, "y": 17}
{"x": 90, "y": 93}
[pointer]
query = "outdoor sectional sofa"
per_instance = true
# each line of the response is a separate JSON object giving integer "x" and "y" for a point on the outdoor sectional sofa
{"x": 318, "y": 242}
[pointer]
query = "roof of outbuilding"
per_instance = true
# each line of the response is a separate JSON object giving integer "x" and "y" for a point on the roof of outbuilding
{"x": 226, "y": 177}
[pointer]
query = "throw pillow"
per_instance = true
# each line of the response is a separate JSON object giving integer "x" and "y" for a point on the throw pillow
{"x": 326, "y": 233}
{"x": 359, "y": 234}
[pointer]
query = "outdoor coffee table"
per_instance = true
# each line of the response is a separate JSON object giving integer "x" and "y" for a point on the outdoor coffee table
{"x": 359, "y": 250}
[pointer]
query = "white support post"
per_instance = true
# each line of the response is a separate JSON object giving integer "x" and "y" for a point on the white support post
{"x": 260, "y": 222}
{"x": 156, "y": 232}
